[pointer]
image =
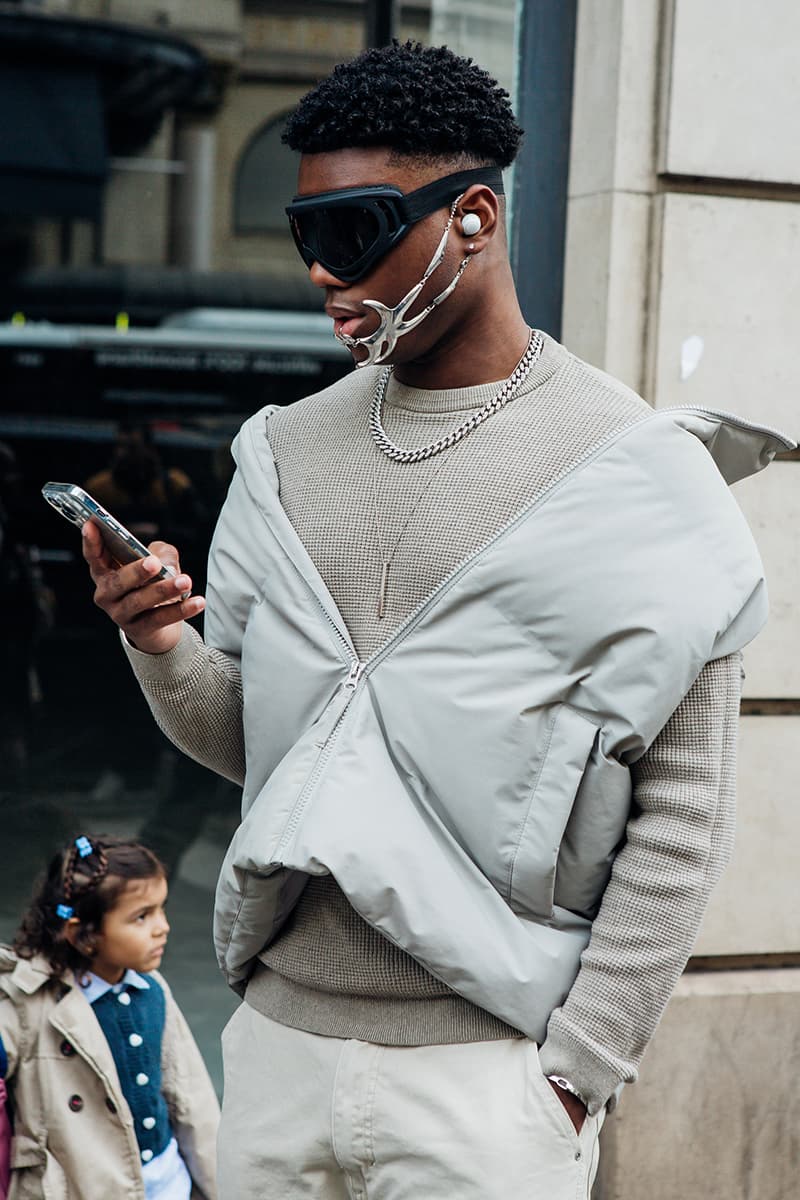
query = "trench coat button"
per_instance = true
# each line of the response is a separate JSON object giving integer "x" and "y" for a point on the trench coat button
{"x": 136, "y": 1039}
{"x": 142, "y": 1079}
{"x": 76, "y": 1102}
{"x": 110, "y": 1105}
{"x": 67, "y": 1048}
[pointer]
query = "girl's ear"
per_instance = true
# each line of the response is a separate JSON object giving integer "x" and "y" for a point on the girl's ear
{"x": 79, "y": 938}
{"x": 71, "y": 930}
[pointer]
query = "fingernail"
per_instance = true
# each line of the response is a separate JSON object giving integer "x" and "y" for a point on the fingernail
{"x": 151, "y": 564}
{"x": 183, "y": 582}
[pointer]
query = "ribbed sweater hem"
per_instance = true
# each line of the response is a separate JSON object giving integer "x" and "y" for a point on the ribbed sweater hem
{"x": 385, "y": 1020}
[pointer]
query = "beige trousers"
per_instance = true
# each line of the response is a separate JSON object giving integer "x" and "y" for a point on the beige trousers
{"x": 333, "y": 1119}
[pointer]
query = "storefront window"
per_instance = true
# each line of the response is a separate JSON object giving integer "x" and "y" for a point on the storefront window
{"x": 144, "y": 315}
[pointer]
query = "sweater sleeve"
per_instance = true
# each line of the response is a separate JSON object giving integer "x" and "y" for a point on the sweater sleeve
{"x": 678, "y": 841}
{"x": 195, "y": 695}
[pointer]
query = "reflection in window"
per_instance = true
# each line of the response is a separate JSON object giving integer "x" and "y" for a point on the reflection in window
{"x": 265, "y": 181}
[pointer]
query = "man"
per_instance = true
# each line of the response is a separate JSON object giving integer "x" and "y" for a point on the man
{"x": 472, "y": 646}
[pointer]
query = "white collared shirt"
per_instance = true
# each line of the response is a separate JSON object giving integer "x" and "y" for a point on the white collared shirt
{"x": 94, "y": 987}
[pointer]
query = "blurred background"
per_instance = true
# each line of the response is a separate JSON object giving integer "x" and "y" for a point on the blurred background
{"x": 151, "y": 298}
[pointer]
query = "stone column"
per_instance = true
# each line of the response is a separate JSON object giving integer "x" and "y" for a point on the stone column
{"x": 192, "y": 217}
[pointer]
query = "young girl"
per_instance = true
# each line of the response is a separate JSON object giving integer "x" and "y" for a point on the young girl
{"x": 110, "y": 1095}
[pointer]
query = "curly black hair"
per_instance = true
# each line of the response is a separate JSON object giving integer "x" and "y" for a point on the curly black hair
{"x": 420, "y": 101}
{"x": 89, "y": 884}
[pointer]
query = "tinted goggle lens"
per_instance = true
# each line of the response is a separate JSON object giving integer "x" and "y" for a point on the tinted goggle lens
{"x": 337, "y": 237}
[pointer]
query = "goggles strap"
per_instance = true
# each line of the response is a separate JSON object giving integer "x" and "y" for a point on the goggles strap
{"x": 393, "y": 324}
{"x": 434, "y": 195}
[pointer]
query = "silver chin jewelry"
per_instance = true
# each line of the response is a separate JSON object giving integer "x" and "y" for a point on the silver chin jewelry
{"x": 380, "y": 344}
{"x": 498, "y": 401}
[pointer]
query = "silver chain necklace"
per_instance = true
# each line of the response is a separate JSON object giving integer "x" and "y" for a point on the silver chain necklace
{"x": 500, "y": 400}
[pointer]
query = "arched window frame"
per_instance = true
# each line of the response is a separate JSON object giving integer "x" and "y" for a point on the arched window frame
{"x": 277, "y": 224}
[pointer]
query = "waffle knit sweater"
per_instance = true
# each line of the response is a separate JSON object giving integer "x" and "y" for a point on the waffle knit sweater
{"x": 330, "y": 972}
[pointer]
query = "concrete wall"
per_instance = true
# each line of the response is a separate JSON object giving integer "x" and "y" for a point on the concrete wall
{"x": 682, "y": 279}
{"x": 721, "y": 276}
{"x": 771, "y": 503}
{"x": 754, "y": 909}
{"x": 713, "y": 1114}
{"x": 730, "y": 109}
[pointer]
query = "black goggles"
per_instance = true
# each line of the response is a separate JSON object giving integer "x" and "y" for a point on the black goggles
{"x": 348, "y": 230}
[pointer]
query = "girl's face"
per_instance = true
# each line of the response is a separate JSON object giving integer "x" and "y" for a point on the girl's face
{"x": 134, "y": 932}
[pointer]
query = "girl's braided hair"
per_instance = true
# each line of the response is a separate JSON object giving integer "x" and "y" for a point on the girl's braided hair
{"x": 419, "y": 101}
{"x": 83, "y": 880}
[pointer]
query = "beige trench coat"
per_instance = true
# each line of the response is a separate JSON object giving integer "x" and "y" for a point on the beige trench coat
{"x": 73, "y": 1132}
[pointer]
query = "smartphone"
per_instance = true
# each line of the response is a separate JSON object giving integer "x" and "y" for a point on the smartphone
{"x": 79, "y": 507}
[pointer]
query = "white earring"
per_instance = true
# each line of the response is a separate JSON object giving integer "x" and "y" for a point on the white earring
{"x": 470, "y": 224}
{"x": 471, "y": 246}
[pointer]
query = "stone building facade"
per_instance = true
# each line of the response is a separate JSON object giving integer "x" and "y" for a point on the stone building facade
{"x": 682, "y": 278}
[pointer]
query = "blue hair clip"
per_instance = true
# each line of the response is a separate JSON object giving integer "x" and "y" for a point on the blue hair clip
{"x": 64, "y": 911}
{"x": 84, "y": 846}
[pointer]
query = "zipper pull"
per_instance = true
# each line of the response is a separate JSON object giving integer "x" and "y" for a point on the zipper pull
{"x": 356, "y": 671}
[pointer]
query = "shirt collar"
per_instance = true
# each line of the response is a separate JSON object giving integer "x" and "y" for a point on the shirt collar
{"x": 94, "y": 987}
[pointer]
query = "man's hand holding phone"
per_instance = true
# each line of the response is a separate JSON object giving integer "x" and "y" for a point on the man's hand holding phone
{"x": 149, "y": 611}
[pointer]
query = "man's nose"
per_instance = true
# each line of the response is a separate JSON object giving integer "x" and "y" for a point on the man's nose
{"x": 322, "y": 278}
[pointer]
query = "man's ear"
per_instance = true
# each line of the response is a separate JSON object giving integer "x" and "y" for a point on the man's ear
{"x": 479, "y": 203}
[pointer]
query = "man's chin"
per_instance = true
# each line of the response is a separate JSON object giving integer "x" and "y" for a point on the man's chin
{"x": 361, "y": 357}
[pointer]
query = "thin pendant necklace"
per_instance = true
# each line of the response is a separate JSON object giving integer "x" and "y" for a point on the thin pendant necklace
{"x": 507, "y": 391}
{"x": 387, "y": 556}
{"x": 420, "y": 453}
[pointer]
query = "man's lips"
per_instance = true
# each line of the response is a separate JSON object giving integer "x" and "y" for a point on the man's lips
{"x": 345, "y": 321}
